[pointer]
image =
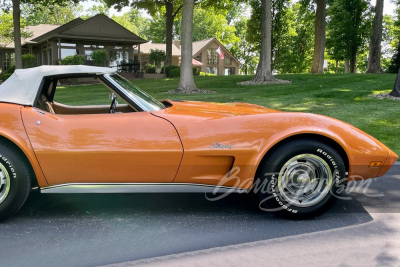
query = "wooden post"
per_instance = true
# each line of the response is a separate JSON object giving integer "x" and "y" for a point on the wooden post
{"x": 139, "y": 58}
{"x": 59, "y": 50}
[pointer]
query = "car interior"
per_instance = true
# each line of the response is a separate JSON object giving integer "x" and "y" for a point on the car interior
{"x": 45, "y": 100}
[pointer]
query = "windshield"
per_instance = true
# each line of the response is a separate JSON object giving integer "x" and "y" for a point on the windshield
{"x": 142, "y": 99}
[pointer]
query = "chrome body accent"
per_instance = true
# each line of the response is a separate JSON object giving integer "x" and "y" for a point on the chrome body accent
{"x": 305, "y": 180}
{"x": 139, "y": 188}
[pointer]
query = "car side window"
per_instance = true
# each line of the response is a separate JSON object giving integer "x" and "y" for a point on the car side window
{"x": 83, "y": 95}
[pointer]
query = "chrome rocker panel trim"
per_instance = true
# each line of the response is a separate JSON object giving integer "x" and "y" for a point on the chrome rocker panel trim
{"x": 139, "y": 188}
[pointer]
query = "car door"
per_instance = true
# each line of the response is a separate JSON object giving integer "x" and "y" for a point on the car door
{"x": 134, "y": 147}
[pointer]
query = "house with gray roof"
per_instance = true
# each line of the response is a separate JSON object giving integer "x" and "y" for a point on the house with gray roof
{"x": 52, "y": 43}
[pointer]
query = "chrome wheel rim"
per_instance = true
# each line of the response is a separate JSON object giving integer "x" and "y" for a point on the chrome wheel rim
{"x": 4, "y": 183}
{"x": 304, "y": 180}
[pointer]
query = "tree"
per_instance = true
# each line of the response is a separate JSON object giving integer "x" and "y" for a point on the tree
{"x": 157, "y": 57}
{"x": 374, "y": 59}
{"x": 170, "y": 8}
{"x": 395, "y": 61}
{"x": 6, "y": 28}
{"x": 135, "y": 22}
{"x": 16, "y": 7}
{"x": 281, "y": 23}
{"x": 186, "y": 83}
{"x": 243, "y": 50}
{"x": 264, "y": 69}
{"x": 319, "y": 38}
{"x": 50, "y": 13}
{"x": 396, "y": 88}
{"x": 17, "y": 33}
{"x": 156, "y": 32}
{"x": 348, "y": 40}
{"x": 209, "y": 22}
{"x": 395, "y": 43}
{"x": 295, "y": 50}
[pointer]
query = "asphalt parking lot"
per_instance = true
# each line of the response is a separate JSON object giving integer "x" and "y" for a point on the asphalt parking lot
{"x": 187, "y": 229}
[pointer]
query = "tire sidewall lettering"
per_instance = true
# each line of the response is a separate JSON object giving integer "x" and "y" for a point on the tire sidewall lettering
{"x": 276, "y": 201}
{"x": 276, "y": 194}
{"x": 7, "y": 164}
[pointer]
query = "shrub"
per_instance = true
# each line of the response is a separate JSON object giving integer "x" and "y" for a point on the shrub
{"x": 99, "y": 57}
{"x": 196, "y": 71}
{"x": 11, "y": 69}
{"x": 150, "y": 69}
{"x": 157, "y": 56}
{"x": 28, "y": 60}
{"x": 5, "y": 76}
{"x": 175, "y": 71}
{"x": 8, "y": 73}
{"x": 207, "y": 74}
{"x": 73, "y": 60}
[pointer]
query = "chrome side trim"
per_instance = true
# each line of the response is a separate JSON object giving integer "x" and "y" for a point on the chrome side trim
{"x": 139, "y": 188}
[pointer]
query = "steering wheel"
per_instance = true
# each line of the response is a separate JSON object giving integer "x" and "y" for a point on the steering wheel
{"x": 114, "y": 104}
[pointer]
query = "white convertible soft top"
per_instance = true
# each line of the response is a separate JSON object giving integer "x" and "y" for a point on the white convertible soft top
{"x": 22, "y": 87}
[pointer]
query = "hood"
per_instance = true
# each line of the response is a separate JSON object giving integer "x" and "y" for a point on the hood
{"x": 211, "y": 110}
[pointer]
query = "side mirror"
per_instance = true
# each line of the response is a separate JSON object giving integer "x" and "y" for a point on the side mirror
{"x": 111, "y": 95}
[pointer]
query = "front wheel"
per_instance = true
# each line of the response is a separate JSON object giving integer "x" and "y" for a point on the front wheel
{"x": 15, "y": 180}
{"x": 304, "y": 178}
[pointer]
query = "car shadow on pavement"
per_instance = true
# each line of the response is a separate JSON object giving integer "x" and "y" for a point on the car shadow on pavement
{"x": 126, "y": 227}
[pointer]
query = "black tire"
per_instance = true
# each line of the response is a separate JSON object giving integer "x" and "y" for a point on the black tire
{"x": 15, "y": 180}
{"x": 301, "y": 179}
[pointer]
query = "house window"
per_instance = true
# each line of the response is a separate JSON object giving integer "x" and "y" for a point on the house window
{"x": 227, "y": 60}
{"x": 67, "y": 49}
{"x": 66, "y": 52}
{"x": 8, "y": 58}
{"x": 118, "y": 57}
{"x": 229, "y": 71}
{"x": 68, "y": 45}
{"x": 198, "y": 58}
{"x": 213, "y": 70}
{"x": 212, "y": 56}
{"x": 89, "y": 50}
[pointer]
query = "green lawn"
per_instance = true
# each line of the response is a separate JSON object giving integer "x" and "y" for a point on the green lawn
{"x": 344, "y": 97}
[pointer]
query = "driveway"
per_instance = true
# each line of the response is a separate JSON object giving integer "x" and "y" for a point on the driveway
{"x": 187, "y": 229}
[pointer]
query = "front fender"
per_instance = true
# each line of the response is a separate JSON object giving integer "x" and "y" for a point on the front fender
{"x": 361, "y": 149}
{"x": 12, "y": 129}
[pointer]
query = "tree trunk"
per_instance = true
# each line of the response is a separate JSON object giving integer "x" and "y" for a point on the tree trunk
{"x": 264, "y": 71}
{"x": 346, "y": 66}
{"x": 374, "y": 59}
{"x": 186, "y": 83}
{"x": 319, "y": 41}
{"x": 353, "y": 63}
{"x": 396, "y": 88}
{"x": 169, "y": 25}
{"x": 264, "y": 68}
{"x": 337, "y": 67}
{"x": 17, "y": 34}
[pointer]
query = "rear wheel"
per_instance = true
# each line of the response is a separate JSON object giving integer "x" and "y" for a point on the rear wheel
{"x": 15, "y": 180}
{"x": 303, "y": 179}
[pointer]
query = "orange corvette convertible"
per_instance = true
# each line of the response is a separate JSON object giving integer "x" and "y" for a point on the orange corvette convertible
{"x": 296, "y": 163}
